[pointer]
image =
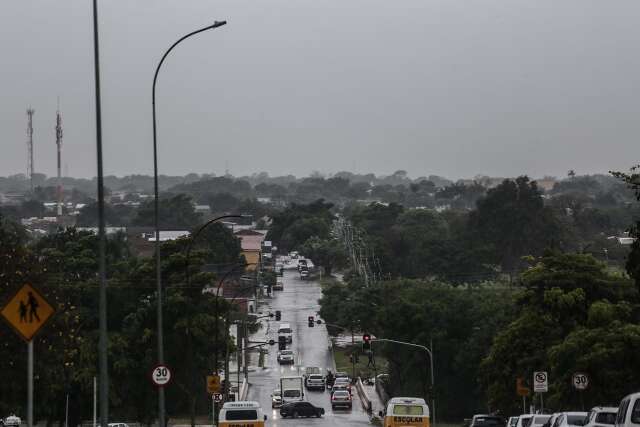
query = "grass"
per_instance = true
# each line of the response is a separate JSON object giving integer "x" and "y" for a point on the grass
{"x": 341, "y": 357}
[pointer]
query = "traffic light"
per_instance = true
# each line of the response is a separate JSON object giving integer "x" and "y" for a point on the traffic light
{"x": 311, "y": 322}
{"x": 278, "y": 315}
{"x": 366, "y": 342}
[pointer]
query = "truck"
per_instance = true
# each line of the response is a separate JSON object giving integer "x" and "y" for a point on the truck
{"x": 292, "y": 389}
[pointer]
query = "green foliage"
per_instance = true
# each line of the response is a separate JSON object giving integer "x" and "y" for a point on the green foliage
{"x": 632, "y": 180}
{"x": 513, "y": 220}
{"x": 175, "y": 213}
{"x": 297, "y": 223}
{"x": 327, "y": 253}
{"x": 574, "y": 316}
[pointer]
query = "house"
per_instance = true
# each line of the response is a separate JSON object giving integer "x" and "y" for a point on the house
{"x": 251, "y": 245}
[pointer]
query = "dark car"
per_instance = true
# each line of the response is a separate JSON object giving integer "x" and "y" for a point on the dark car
{"x": 300, "y": 409}
{"x": 487, "y": 421}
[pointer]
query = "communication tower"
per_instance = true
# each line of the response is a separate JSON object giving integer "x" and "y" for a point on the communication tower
{"x": 59, "y": 147}
{"x": 30, "y": 167}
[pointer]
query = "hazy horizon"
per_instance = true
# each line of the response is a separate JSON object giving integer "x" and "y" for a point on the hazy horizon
{"x": 454, "y": 89}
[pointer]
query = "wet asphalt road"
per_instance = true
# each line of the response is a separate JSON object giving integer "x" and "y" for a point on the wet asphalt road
{"x": 298, "y": 301}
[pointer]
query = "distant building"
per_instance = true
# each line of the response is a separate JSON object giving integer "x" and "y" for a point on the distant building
{"x": 251, "y": 244}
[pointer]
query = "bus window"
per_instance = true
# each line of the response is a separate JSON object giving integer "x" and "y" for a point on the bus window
{"x": 242, "y": 414}
{"x": 407, "y": 410}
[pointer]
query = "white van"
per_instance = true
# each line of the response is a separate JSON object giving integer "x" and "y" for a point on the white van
{"x": 629, "y": 411}
{"x": 245, "y": 414}
{"x": 285, "y": 330}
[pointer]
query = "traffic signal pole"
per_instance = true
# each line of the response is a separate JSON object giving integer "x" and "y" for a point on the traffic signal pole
{"x": 430, "y": 352}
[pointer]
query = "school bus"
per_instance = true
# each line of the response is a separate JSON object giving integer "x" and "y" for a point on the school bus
{"x": 406, "y": 412}
{"x": 241, "y": 414}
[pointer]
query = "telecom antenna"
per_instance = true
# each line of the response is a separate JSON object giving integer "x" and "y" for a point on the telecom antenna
{"x": 59, "y": 147}
{"x": 30, "y": 167}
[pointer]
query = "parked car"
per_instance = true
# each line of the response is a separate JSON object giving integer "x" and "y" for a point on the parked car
{"x": 276, "y": 398}
{"x": 487, "y": 421}
{"x": 628, "y": 414}
{"x": 341, "y": 398}
{"x": 601, "y": 416}
{"x": 524, "y": 420}
{"x": 285, "y": 357}
{"x": 567, "y": 419}
{"x": 12, "y": 421}
{"x": 539, "y": 420}
{"x": 300, "y": 409}
{"x": 551, "y": 420}
{"x": 512, "y": 422}
{"x": 315, "y": 382}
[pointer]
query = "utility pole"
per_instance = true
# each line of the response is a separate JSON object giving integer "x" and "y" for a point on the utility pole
{"x": 30, "y": 167}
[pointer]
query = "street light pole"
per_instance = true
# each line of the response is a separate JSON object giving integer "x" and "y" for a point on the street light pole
{"x": 102, "y": 305}
{"x": 161, "y": 402}
{"x": 430, "y": 352}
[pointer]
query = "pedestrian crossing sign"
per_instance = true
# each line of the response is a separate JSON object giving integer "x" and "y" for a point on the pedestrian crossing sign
{"x": 27, "y": 312}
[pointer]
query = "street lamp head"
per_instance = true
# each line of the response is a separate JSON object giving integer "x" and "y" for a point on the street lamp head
{"x": 217, "y": 24}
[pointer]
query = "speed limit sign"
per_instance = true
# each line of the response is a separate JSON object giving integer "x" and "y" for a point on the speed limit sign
{"x": 161, "y": 375}
{"x": 580, "y": 381}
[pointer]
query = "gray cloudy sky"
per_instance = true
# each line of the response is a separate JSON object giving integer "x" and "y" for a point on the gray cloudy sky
{"x": 448, "y": 87}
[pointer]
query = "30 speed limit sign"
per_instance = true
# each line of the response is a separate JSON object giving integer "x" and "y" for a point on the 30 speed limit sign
{"x": 161, "y": 375}
{"x": 580, "y": 381}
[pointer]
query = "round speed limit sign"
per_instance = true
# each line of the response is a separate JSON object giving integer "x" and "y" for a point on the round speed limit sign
{"x": 580, "y": 381}
{"x": 161, "y": 375}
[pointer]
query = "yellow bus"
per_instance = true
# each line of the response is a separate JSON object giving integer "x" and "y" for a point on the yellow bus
{"x": 241, "y": 414}
{"x": 406, "y": 412}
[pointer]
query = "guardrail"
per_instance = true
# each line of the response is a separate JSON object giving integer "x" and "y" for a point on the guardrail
{"x": 244, "y": 390}
{"x": 364, "y": 397}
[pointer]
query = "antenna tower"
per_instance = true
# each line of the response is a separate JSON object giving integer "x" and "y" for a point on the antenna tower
{"x": 59, "y": 147}
{"x": 30, "y": 168}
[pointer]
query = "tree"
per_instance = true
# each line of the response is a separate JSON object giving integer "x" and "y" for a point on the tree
{"x": 632, "y": 180}
{"x": 566, "y": 299}
{"x": 513, "y": 219}
{"x": 175, "y": 213}
{"x": 328, "y": 253}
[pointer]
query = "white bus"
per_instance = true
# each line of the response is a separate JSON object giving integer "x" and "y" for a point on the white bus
{"x": 241, "y": 414}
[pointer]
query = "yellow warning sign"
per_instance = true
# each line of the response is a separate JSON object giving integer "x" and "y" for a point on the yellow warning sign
{"x": 27, "y": 312}
{"x": 213, "y": 384}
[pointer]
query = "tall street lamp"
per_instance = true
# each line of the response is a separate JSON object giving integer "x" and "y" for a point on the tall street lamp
{"x": 102, "y": 306}
{"x": 161, "y": 405}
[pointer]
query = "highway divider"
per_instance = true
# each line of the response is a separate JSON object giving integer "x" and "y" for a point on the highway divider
{"x": 364, "y": 397}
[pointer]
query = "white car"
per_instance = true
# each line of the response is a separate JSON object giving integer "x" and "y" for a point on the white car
{"x": 567, "y": 419}
{"x": 12, "y": 421}
{"x": 601, "y": 416}
{"x": 285, "y": 356}
{"x": 276, "y": 398}
{"x": 629, "y": 411}
{"x": 315, "y": 381}
{"x": 512, "y": 422}
{"x": 524, "y": 420}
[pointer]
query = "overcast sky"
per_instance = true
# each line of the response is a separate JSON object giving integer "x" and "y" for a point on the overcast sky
{"x": 447, "y": 87}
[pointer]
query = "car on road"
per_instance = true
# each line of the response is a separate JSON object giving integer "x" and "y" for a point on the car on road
{"x": 300, "y": 409}
{"x": 628, "y": 414}
{"x": 285, "y": 330}
{"x": 567, "y": 419}
{"x": 342, "y": 382}
{"x": 512, "y": 422}
{"x": 279, "y": 286}
{"x": 487, "y": 421}
{"x": 304, "y": 274}
{"x": 285, "y": 357}
{"x": 601, "y": 416}
{"x": 341, "y": 398}
{"x": 242, "y": 413}
{"x": 276, "y": 398}
{"x": 314, "y": 382}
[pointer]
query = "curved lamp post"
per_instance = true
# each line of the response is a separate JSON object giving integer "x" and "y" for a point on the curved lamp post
{"x": 161, "y": 405}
